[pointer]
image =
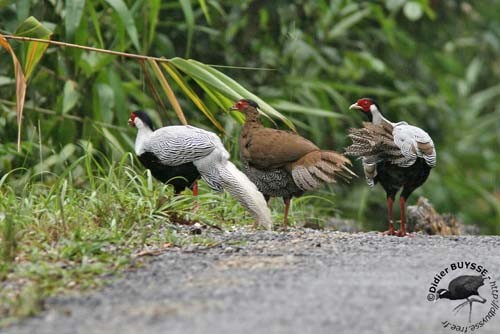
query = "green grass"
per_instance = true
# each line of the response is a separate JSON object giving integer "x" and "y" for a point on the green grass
{"x": 61, "y": 234}
{"x": 69, "y": 232}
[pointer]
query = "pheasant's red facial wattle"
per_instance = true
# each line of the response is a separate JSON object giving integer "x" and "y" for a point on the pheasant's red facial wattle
{"x": 363, "y": 104}
{"x": 131, "y": 120}
{"x": 240, "y": 105}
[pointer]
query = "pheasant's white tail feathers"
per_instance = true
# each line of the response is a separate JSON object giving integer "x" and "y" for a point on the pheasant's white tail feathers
{"x": 245, "y": 191}
{"x": 220, "y": 173}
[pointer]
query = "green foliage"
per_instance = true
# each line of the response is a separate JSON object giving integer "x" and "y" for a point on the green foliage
{"x": 90, "y": 219}
{"x": 434, "y": 64}
{"x": 412, "y": 56}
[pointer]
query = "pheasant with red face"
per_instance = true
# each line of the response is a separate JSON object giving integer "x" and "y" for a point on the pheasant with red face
{"x": 399, "y": 156}
{"x": 282, "y": 163}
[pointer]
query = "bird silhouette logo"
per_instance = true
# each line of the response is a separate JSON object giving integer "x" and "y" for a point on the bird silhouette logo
{"x": 463, "y": 287}
{"x": 465, "y": 283}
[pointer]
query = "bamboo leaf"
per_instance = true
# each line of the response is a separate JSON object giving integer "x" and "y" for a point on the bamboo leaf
{"x": 204, "y": 8}
{"x": 31, "y": 27}
{"x": 70, "y": 96}
{"x": 168, "y": 91}
{"x": 128, "y": 22}
{"x": 342, "y": 26}
{"x": 297, "y": 108}
{"x": 222, "y": 101}
{"x": 242, "y": 92}
{"x": 154, "y": 11}
{"x": 74, "y": 11}
{"x": 103, "y": 102}
{"x": 95, "y": 22}
{"x": 20, "y": 88}
{"x": 188, "y": 14}
{"x": 22, "y": 9}
{"x": 194, "y": 71}
{"x": 192, "y": 95}
{"x": 115, "y": 143}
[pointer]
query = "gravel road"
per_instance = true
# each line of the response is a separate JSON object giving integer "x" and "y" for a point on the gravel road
{"x": 303, "y": 281}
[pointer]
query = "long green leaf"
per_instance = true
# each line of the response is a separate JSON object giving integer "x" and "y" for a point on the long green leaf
{"x": 103, "y": 102}
{"x": 20, "y": 88}
{"x": 153, "y": 11}
{"x": 225, "y": 85}
{"x": 168, "y": 91}
{"x": 95, "y": 22}
{"x": 297, "y": 108}
{"x": 243, "y": 92}
{"x": 222, "y": 101}
{"x": 343, "y": 25}
{"x": 22, "y": 9}
{"x": 127, "y": 20}
{"x": 31, "y": 27}
{"x": 174, "y": 74}
{"x": 195, "y": 71}
{"x": 204, "y": 8}
{"x": 70, "y": 96}
{"x": 188, "y": 15}
{"x": 74, "y": 11}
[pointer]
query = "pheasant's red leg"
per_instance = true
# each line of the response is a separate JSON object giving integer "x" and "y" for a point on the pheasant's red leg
{"x": 195, "y": 194}
{"x": 195, "y": 188}
{"x": 402, "y": 204}
{"x": 287, "y": 206}
{"x": 390, "y": 231}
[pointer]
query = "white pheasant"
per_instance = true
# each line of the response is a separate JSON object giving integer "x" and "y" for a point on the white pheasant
{"x": 397, "y": 155}
{"x": 180, "y": 154}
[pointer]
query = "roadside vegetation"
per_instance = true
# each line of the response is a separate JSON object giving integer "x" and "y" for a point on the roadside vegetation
{"x": 94, "y": 219}
{"x": 75, "y": 205}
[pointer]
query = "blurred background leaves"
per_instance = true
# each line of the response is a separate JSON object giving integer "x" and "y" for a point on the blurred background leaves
{"x": 435, "y": 64}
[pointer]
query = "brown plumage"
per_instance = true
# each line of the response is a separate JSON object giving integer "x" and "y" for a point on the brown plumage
{"x": 375, "y": 142}
{"x": 282, "y": 163}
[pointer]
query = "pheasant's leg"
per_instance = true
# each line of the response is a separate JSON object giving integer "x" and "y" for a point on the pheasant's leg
{"x": 402, "y": 204}
{"x": 195, "y": 194}
{"x": 287, "y": 206}
{"x": 390, "y": 231}
{"x": 195, "y": 188}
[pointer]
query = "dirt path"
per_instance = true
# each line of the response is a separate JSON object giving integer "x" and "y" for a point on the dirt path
{"x": 268, "y": 282}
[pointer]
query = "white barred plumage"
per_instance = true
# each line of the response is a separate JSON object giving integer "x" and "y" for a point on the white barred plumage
{"x": 412, "y": 141}
{"x": 399, "y": 156}
{"x": 177, "y": 145}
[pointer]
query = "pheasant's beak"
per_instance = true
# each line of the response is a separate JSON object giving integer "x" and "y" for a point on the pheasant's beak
{"x": 233, "y": 108}
{"x": 354, "y": 106}
{"x": 131, "y": 122}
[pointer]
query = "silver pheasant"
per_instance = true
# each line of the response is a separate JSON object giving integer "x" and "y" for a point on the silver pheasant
{"x": 182, "y": 145}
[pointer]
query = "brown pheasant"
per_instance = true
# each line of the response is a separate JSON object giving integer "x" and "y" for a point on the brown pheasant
{"x": 282, "y": 163}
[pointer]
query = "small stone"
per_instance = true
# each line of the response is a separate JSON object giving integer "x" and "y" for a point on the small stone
{"x": 196, "y": 229}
